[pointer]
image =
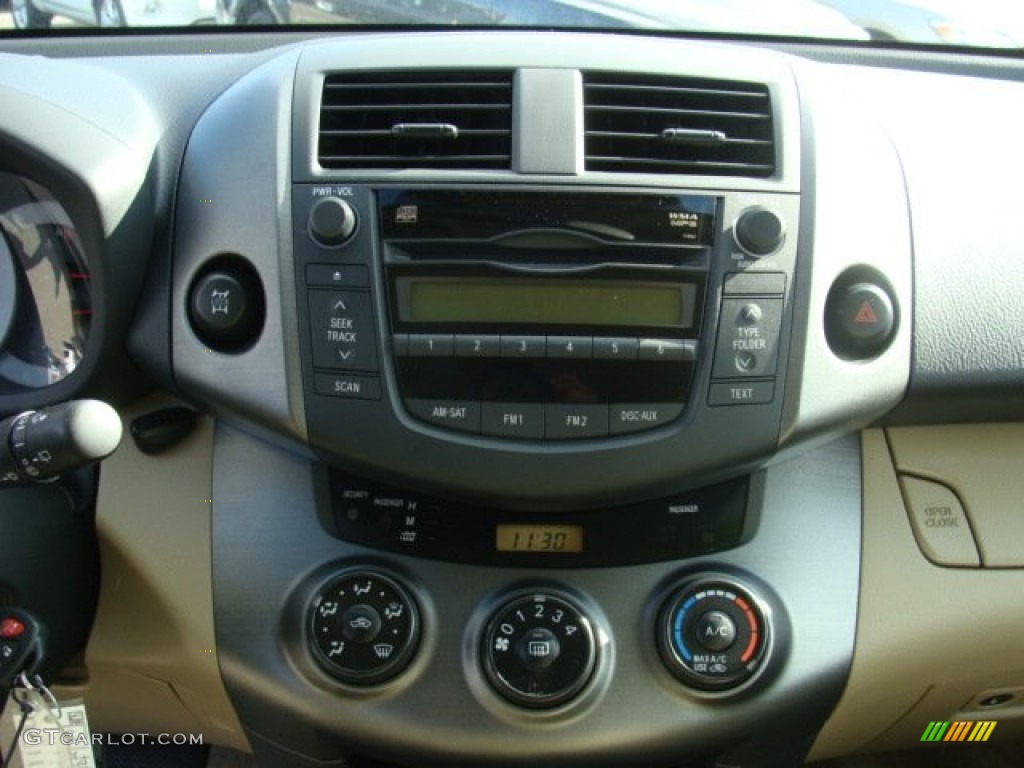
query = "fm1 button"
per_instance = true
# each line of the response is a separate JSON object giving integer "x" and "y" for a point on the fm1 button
{"x": 860, "y": 320}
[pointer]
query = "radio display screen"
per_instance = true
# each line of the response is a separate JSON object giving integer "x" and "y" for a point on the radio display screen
{"x": 546, "y": 301}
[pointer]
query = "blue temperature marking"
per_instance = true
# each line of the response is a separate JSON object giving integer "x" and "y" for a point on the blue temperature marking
{"x": 677, "y": 630}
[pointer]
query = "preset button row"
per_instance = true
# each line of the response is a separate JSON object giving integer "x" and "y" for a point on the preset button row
{"x": 561, "y": 347}
{"x": 537, "y": 421}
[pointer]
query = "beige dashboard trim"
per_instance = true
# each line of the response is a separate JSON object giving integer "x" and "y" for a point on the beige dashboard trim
{"x": 929, "y": 638}
{"x": 152, "y": 658}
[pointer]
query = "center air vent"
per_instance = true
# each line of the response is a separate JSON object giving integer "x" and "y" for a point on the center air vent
{"x": 416, "y": 120}
{"x": 678, "y": 125}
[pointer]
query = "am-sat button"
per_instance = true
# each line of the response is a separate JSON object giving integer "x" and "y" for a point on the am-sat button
{"x": 463, "y": 415}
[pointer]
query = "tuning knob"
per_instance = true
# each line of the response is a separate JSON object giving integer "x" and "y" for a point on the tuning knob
{"x": 759, "y": 231}
{"x": 332, "y": 221}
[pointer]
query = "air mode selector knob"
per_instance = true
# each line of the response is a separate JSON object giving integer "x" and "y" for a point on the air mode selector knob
{"x": 332, "y": 221}
{"x": 364, "y": 627}
{"x": 759, "y": 231}
{"x": 539, "y": 650}
{"x": 713, "y": 634}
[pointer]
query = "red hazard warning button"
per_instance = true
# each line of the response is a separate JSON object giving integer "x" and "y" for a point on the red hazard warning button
{"x": 866, "y": 314}
{"x": 860, "y": 320}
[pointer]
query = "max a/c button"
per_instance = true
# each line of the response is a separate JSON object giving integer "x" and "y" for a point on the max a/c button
{"x": 741, "y": 393}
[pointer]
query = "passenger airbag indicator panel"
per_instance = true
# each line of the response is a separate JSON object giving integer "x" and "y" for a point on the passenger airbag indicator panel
{"x": 692, "y": 523}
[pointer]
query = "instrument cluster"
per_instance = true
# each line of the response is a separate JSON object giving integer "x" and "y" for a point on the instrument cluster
{"x": 46, "y": 300}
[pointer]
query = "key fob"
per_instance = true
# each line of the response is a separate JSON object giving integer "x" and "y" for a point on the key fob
{"x": 21, "y": 645}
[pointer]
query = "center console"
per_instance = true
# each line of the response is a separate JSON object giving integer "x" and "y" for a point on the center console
{"x": 547, "y": 322}
{"x": 501, "y": 475}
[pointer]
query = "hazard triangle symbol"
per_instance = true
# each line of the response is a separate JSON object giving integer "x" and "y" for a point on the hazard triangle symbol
{"x": 866, "y": 314}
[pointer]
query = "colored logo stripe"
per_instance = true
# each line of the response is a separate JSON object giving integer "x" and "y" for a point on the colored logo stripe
{"x": 959, "y": 730}
{"x": 934, "y": 731}
{"x": 982, "y": 730}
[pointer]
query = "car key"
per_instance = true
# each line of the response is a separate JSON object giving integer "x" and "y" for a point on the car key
{"x": 21, "y": 645}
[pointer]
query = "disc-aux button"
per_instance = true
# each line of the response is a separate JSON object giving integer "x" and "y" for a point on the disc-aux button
{"x": 342, "y": 328}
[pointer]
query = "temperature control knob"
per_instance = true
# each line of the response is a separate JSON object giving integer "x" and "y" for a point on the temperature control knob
{"x": 332, "y": 221}
{"x": 759, "y": 231}
{"x": 364, "y": 627}
{"x": 713, "y": 634}
{"x": 539, "y": 650}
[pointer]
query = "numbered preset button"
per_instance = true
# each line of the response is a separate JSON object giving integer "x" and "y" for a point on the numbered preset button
{"x": 571, "y": 347}
{"x": 616, "y": 348}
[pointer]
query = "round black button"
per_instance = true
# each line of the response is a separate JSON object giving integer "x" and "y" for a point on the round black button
{"x": 539, "y": 650}
{"x": 860, "y": 320}
{"x": 332, "y": 221}
{"x": 219, "y": 302}
{"x": 715, "y": 631}
{"x": 759, "y": 231}
{"x": 360, "y": 623}
{"x": 226, "y": 306}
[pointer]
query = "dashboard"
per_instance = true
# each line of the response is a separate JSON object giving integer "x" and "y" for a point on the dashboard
{"x": 502, "y": 397}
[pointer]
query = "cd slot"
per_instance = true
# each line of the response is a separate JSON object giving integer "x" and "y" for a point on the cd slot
{"x": 454, "y": 251}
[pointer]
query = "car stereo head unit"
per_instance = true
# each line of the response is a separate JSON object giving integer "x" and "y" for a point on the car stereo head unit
{"x": 444, "y": 326}
{"x": 526, "y": 315}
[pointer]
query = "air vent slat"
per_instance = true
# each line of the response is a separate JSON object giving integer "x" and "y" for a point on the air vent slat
{"x": 416, "y": 120}
{"x": 677, "y": 90}
{"x": 654, "y": 124}
{"x": 413, "y": 107}
{"x": 410, "y": 85}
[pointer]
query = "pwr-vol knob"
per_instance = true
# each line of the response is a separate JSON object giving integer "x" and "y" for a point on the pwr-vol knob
{"x": 332, "y": 221}
{"x": 714, "y": 634}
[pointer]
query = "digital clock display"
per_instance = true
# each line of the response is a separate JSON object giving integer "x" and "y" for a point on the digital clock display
{"x": 539, "y": 538}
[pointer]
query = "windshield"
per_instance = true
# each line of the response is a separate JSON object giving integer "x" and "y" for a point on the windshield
{"x": 974, "y": 23}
